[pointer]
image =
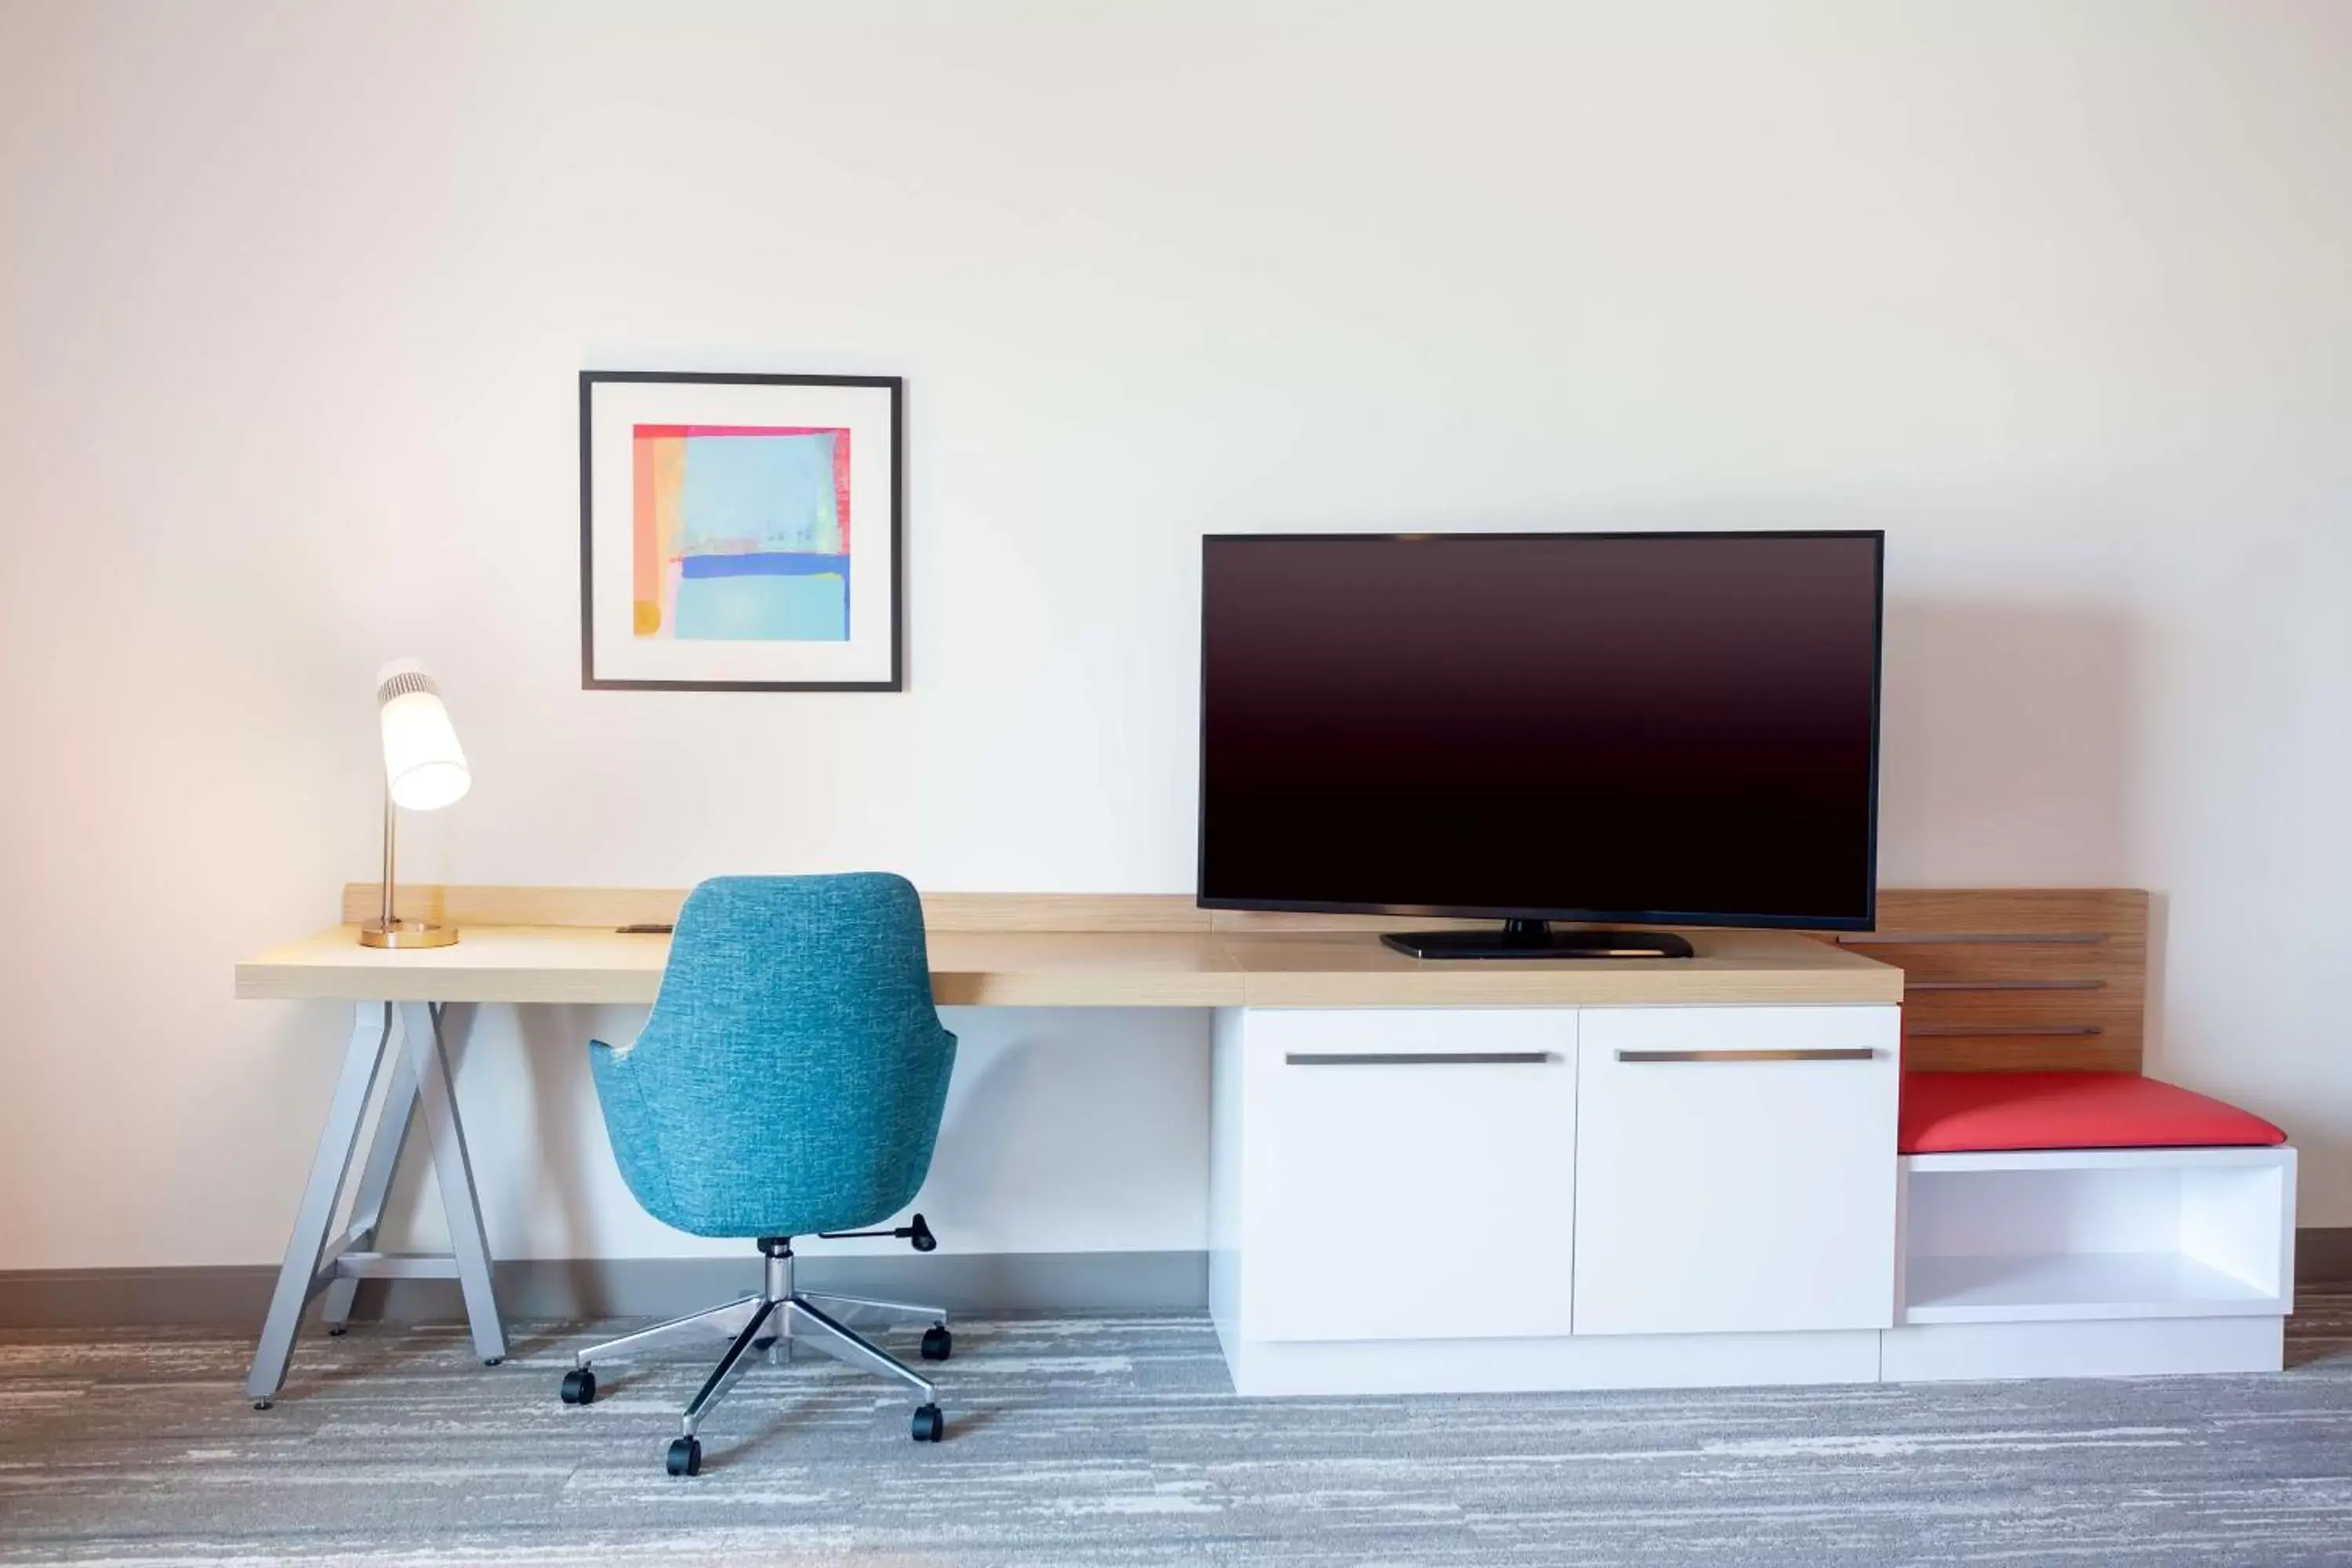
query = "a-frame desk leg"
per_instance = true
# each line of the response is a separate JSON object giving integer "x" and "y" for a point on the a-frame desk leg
{"x": 410, "y": 1034}
{"x": 392, "y": 1125}
{"x": 469, "y": 1243}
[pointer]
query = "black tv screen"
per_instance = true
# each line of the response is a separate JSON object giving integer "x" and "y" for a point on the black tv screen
{"x": 1672, "y": 728}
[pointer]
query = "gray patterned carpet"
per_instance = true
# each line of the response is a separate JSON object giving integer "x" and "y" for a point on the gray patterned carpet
{"x": 1117, "y": 1440}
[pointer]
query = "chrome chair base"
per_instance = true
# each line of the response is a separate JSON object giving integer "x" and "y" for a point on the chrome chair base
{"x": 773, "y": 1323}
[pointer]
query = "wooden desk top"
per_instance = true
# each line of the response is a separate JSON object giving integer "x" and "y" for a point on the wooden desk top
{"x": 1207, "y": 963}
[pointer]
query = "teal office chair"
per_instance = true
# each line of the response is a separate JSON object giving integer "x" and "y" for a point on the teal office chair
{"x": 788, "y": 1083}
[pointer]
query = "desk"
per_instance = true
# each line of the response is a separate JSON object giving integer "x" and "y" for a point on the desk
{"x": 1091, "y": 969}
{"x": 560, "y": 945}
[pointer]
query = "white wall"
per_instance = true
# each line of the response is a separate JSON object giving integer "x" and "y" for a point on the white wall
{"x": 293, "y": 295}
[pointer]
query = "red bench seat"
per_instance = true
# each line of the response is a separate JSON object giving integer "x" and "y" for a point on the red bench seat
{"x": 1970, "y": 1112}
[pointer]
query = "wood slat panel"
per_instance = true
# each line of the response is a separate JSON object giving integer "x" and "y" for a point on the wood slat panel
{"x": 1310, "y": 920}
{"x": 1063, "y": 911}
{"x": 2113, "y": 1013}
{"x": 468, "y": 905}
{"x": 2068, "y": 961}
{"x": 2117, "y": 962}
{"x": 2108, "y": 911}
{"x": 593, "y": 907}
{"x": 2041, "y": 1054}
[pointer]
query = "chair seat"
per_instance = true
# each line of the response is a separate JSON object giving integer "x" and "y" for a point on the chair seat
{"x": 1969, "y": 1113}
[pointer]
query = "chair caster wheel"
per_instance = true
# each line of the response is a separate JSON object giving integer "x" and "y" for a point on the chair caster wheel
{"x": 263, "y": 1404}
{"x": 685, "y": 1457}
{"x": 938, "y": 1343}
{"x": 579, "y": 1388}
{"x": 929, "y": 1425}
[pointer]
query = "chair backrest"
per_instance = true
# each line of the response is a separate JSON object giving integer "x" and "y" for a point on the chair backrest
{"x": 791, "y": 1076}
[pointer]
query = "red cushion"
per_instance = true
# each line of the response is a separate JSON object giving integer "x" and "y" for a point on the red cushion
{"x": 1956, "y": 1112}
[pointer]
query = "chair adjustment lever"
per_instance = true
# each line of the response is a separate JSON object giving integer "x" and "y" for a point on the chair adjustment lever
{"x": 919, "y": 1232}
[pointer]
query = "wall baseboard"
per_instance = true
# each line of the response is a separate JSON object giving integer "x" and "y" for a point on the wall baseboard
{"x": 237, "y": 1295}
{"x": 2323, "y": 1256}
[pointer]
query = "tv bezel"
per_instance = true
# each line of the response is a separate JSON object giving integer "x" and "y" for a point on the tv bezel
{"x": 1866, "y": 921}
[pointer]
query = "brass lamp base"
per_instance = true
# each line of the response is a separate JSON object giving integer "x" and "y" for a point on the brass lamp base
{"x": 406, "y": 934}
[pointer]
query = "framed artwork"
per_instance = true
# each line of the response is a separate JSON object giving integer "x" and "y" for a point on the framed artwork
{"x": 739, "y": 532}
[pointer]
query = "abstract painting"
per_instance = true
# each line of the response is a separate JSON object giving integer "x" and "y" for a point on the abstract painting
{"x": 753, "y": 544}
{"x": 741, "y": 531}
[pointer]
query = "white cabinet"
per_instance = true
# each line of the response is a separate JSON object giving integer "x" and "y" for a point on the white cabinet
{"x": 1735, "y": 1169}
{"x": 1415, "y": 1199}
{"x": 1409, "y": 1200}
{"x": 1405, "y": 1172}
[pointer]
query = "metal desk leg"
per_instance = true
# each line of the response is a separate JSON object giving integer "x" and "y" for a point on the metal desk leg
{"x": 454, "y": 1173}
{"x": 392, "y": 1126}
{"x": 315, "y": 1260}
{"x": 298, "y": 1275}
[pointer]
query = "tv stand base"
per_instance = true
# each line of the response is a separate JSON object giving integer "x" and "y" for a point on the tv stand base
{"x": 1536, "y": 939}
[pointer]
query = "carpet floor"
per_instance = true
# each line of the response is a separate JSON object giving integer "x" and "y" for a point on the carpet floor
{"x": 1118, "y": 1441}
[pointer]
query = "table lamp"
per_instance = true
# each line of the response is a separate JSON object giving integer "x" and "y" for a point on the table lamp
{"x": 423, "y": 769}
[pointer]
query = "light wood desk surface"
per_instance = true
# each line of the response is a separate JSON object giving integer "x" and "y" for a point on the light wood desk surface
{"x": 1110, "y": 957}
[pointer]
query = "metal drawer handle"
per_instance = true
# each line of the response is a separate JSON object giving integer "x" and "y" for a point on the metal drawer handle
{"x": 1416, "y": 1058}
{"x": 1823, "y": 1054}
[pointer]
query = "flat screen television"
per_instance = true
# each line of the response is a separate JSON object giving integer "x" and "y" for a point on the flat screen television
{"x": 1670, "y": 729}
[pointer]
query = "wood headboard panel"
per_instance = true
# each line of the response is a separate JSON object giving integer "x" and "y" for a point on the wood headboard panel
{"x": 2016, "y": 980}
{"x": 1999, "y": 980}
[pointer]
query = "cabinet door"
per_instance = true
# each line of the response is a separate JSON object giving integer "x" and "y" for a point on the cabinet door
{"x": 1407, "y": 1172}
{"x": 1735, "y": 1169}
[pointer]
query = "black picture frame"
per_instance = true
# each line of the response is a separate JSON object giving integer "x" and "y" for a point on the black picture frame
{"x": 591, "y": 379}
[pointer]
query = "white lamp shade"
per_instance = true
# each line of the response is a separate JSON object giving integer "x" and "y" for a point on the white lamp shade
{"x": 423, "y": 765}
